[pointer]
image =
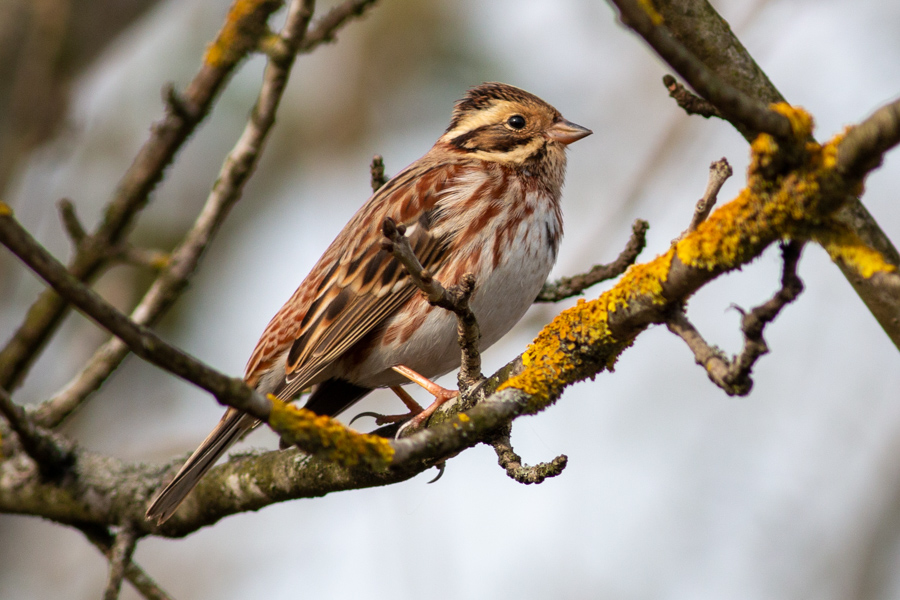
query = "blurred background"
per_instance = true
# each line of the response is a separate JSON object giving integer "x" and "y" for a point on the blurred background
{"x": 673, "y": 489}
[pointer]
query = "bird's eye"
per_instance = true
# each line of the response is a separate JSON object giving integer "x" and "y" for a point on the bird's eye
{"x": 516, "y": 122}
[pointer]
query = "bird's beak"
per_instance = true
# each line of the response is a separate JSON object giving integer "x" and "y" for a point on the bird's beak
{"x": 566, "y": 132}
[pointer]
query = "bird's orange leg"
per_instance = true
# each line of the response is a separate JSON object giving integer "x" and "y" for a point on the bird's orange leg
{"x": 416, "y": 414}
{"x": 413, "y": 406}
{"x": 441, "y": 395}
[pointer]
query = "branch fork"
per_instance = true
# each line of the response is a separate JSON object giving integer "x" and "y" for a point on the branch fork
{"x": 733, "y": 375}
{"x": 454, "y": 299}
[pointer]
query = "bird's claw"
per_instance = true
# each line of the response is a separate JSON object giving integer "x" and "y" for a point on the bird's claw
{"x": 441, "y": 466}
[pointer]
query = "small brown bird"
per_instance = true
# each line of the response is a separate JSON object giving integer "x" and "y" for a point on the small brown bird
{"x": 484, "y": 200}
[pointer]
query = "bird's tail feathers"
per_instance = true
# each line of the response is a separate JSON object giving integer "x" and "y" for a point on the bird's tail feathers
{"x": 230, "y": 429}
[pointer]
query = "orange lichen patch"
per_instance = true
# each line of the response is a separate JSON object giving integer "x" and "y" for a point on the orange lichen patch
{"x": 801, "y": 121}
{"x": 647, "y": 7}
{"x": 579, "y": 342}
{"x": 788, "y": 205}
{"x": 556, "y": 358}
{"x": 644, "y": 281}
{"x": 326, "y": 437}
{"x": 845, "y": 246}
{"x": 243, "y": 28}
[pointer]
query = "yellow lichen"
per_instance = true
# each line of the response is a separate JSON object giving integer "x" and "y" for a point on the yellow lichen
{"x": 647, "y": 7}
{"x": 801, "y": 121}
{"x": 790, "y": 194}
{"x": 325, "y": 436}
{"x": 243, "y": 27}
{"x": 579, "y": 340}
{"x": 5, "y": 210}
{"x": 845, "y": 246}
{"x": 161, "y": 261}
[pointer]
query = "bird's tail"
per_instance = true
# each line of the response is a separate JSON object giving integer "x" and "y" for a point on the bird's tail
{"x": 233, "y": 425}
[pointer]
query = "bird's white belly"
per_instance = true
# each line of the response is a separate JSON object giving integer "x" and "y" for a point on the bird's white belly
{"x": 502, "y": 296}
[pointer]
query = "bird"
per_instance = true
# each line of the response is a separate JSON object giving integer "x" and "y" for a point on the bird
{"x": 485, "y": 200}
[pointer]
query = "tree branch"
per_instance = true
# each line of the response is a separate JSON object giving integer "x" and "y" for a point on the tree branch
{"x": 580, "y": 343}
{"x": 119, "y": 558}
{"x": 690, "y": 103}
{"x": 709, "y": 37}
{"x": 181, "y": 264}
{"x": 566, "y": 287}
{"x": 736, "y": 106}
{"x": 103, "y": 541}
{"x": 719, "y": 172}
{"x": 325, "y": 28}
{"x": 50, "y": 453}
{"x": 244, "y": 25}
{"x": 733, "y": 376}
{"x": 512, "y": 463}
{"x": 142, "y": 341}
{"x": 864, "y": 145}
{"x": 376, "y": 170}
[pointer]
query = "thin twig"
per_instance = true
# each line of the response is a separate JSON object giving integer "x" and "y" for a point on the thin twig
{"x": 51, "y": 453}
{"x": 376, "y": 170}
{"x": 512, "y": 463}
{"x": 688, "y": 101}
{"x": 149, "y": 258}
{"x": 142, "y": 341}
{"x": 455, "y": 299}
{"x": 183, "y": 261}
{"x": 719, "y": 172}
{"x": 71, "y": 222}
{"x": 733, "y": 375}
{"x": 566, "y": 287}
{"x": 863, "y": 148}
{"x": 119, "y": 558}
{"x": 735, "y": 105}
{"x": 246, "y": 21}
{"x": 325, "y": 28}
{"x": 136, "y": 576}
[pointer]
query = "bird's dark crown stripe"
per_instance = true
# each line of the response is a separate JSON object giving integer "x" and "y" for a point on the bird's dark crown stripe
{"x": 484, "y": 95}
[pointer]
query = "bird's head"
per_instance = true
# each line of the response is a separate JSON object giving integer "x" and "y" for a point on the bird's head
{"x": 501, "y": 123}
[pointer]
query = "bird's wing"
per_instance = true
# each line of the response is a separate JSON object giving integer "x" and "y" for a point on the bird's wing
{"x": 357, "y": 284}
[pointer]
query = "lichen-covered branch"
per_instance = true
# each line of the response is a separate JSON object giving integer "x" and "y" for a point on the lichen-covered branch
{"x": 145, "y": 586}
{"x": 566, "y": 287}
{"x": 50, "y": 453}
{"x": 182, "y": 262}
{"x": 244, "y": 25}
{"x": 119, "y": 557}
{"x": 697, "y": 25}
{"x": 512, "y": 463}
{"x": 787, "y": 196}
